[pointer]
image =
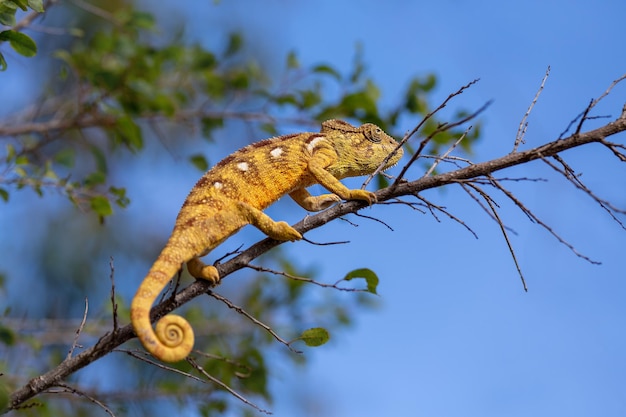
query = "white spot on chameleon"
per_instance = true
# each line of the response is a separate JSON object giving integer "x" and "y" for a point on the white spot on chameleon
{"x": 311, "y": 146}
{"x": 218, "y": 185}
{"x": 243, "y": 166}
{"x": 276, "y": 152}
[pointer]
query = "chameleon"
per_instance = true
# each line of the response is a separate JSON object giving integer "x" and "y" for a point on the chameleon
{"x": 234, "y": 193}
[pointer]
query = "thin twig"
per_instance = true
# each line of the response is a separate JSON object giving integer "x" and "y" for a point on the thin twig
{"x": 442, "y": 128}
{"x": 521, "y": 131}
{"x": 409, "y": 134}
{"x": 451, "y": 159}
{"x": 537, "y": 220}
{"x": 304, "y": 279}
{"x": 216, "y": 381}
{"x": 113, "y": 302}
{"x": 29, "y": 18}
{"x": 250, "y": 317}
{"x": 442, "y": 209}
{"x": 67, "y": 388}
{"x": 78, "y": 331}
{"x": 569, "y": 174}
{"x": 492, "y": 206}
{"x": 312, "y": 242}
{"x": 608, "y": 90}
{"x": 374, "y": 219}
{"x": 480, "y": 203}
{"x": 614, "y": 147}
{"x": 445, "y": 155}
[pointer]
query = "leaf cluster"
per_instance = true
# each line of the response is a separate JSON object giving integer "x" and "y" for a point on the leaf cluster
{"x": 20, "y": 42}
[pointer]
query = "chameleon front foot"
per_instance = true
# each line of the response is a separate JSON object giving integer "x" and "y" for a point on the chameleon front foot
{"x": 362, "y": 195}
{"x": 199, "y": 270}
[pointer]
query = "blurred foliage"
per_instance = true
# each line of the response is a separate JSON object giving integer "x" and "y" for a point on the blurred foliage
{"x": 121, "y": 83}
{"x": 20, "y": 42}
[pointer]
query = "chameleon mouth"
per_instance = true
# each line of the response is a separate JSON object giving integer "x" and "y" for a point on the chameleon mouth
{"x": 396, "y": 153}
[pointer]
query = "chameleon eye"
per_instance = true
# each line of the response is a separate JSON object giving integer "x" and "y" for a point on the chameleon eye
{"x": 375, "y": 134}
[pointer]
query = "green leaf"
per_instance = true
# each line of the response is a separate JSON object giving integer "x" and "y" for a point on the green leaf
{"x": 76, "y": 32}
{"x": 315, "y": 336}
{"x": 4, "y": 194}
{"x": 199, "y": 161}
{"x": 23, "y": 44}
{"x": 368, "y": 275}
{"x": 65, "y": 157}
{"x": 309, "y": 98}
{"x": 7, "y": 14}
{"x": 239, "y": 80}
{"x": 95, "y": 178}
{"x": 101, "y": 206}
{"x": 36, "y": 5}
{"x": 327, "y": 69}
{"x": 22, "y": 4}
{"x": 292, "y": 60}
{"x": 99, "y": 158}
{"x": 208, "y": 124}
{"x": 269, "y": 128}
{"x": 3, "y": 62}
{"x": 120, "y": 196}
{"x": 4, "y": 396}
{"x": 10, "y": 152}
{"x": 142, "y": 20}
{"x": 129, "y": 132}
{"x": 235, "y": 41}
{"x": 7, "y": 336}
{"x": 21, "y": 160}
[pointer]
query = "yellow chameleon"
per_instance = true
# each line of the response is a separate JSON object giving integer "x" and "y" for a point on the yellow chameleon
{"x": 234, "y": 193}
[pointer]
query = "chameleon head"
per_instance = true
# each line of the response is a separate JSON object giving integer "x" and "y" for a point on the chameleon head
{"x": 361, "y": 150}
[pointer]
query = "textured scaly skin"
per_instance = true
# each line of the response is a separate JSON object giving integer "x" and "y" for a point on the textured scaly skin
{"x": 234, "y": 193}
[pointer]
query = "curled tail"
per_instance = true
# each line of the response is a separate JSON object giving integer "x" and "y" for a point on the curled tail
{"x": 173, "y": 339}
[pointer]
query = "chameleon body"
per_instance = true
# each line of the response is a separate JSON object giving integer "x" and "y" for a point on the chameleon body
{"x": 235, "y": 191}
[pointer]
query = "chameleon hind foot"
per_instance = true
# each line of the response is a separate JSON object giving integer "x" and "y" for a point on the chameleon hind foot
{"x": 199, "y": 270}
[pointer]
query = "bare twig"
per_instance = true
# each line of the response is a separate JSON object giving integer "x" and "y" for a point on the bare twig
{"x": 250, "y": 317}
{"x": 304, "y": 279}
{"x": 521, "y": 131}
{"x": 479, "y": 201}
{"x": 445, "y": 155}
{"x": 67, "y": 388}
{"x": 113, "y": 302}
{"x": 441, "y": 209}
{"x": 216, "y": 381}
{"x": 608, "y": 90}
{"x": 442, "y": 128}
{"x": 615, "y": 147}
{"x": 96, "y": 11}
{"x": 78, "y": 331}
{"x": 374, "y": 219}
{"x": 571, "y": 176}
{"x": 409, "y": 134}
{"x": 312, "y": 242}
{"x": 492, "y": 206}
{"x": 583, "y": 115}
{"x": 537, "y": 220}
{"x": 29, "y": 18}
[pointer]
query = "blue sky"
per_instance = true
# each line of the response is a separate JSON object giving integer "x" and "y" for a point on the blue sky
{"x": 455, "y": 334}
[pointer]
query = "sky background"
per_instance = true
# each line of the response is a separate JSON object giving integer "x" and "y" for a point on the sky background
{"x": 455, "y": 334}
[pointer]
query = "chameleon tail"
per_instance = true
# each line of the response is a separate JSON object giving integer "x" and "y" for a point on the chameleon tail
{"x": 173, "y": 339}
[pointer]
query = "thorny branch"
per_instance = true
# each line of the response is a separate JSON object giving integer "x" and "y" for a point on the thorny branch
{"x": 473, "y": 174}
